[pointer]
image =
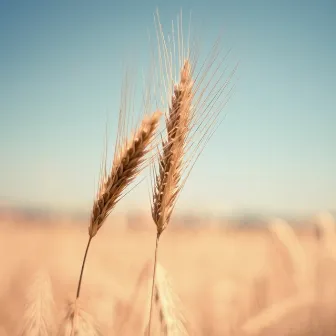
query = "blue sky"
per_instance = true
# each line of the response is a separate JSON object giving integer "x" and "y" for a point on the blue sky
{"x": 61, "y": 66}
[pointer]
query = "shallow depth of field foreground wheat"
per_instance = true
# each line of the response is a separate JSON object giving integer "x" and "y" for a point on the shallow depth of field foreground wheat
{"x": 150, "y": 275}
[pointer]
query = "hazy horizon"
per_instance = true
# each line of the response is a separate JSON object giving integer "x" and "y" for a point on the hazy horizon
{"x": 61, "y": 68}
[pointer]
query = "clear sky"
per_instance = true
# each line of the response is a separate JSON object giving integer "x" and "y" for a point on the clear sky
{"x": 61, "y": 66}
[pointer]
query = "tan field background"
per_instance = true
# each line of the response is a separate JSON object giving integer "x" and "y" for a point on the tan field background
{"x": 229, "y": 281}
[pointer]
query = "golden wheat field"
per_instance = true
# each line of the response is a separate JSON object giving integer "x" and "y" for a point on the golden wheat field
{"x": 270, "y": 281}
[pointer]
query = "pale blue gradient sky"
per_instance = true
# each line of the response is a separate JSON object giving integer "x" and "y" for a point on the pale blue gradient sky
{"x": 60, "y": 74}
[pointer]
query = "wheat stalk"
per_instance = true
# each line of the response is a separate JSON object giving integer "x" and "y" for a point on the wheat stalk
{"x": 194, "y": 103}
{"x": 128, "y": 162}
{"x": 38, "y": 318}
{"x": 167, "y": 181}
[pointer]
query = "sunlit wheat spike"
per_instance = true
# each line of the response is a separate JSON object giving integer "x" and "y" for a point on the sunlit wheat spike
{"x": 128, "y": 162}
{"x": 193, "y": 97}
{"x": 77, "y": 322}
{"x": 38, "y": 318}
{"x": 167, "y": 181}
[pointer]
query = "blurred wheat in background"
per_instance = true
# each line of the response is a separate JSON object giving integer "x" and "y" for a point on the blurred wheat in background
{"x": 209, "y": 282}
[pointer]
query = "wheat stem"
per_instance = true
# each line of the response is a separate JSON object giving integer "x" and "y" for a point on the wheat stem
{"x": 82, "y": 268}
{"x": 153, "y": 283}
{"x": 80, "y": 285}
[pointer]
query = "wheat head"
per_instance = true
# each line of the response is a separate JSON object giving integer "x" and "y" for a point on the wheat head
{"x": 77, "y": 322}
{"x": 171, "y": 321}
{"x": 38, "y": 318}
{"x": 192, "y": 98}
{"x": 126, "y": 166}
{"x": 167, "y": 180}
{"x": 192, "y": 105}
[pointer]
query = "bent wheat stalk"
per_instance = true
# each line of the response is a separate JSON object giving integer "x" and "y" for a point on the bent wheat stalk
{"x": 128, "y": 161}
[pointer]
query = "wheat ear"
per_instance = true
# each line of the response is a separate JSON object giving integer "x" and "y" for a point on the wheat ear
{"x": 167, "y": 181}
{"x": 166, "y": 302}
{"x": 192, "y": 108}
{"x": 84, "y": 323}
{"x": 128, "y": 162}
{"x": 126, "y": 166}
{"x": 38, "y": 318}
